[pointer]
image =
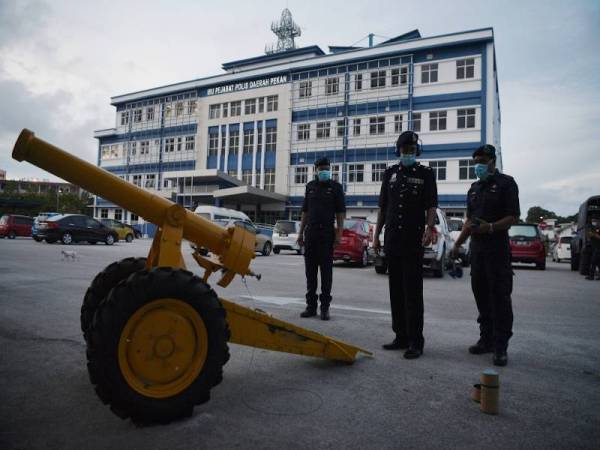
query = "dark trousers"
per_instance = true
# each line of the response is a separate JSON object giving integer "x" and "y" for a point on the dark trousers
{"x": 318, "y": 256}
{"x": 406, "y": 295}
{"x": 594, "y": 262}
{"x": 491, "y": 281}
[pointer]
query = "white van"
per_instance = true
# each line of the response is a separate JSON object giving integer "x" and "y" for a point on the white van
{"x": 213, "y": 213}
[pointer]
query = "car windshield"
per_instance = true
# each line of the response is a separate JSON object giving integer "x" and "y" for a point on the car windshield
{"x": 566, "y": 239}
{"x": 221, "y": 222}
{"x": 285, "y": 227}
{"x": 522, "y": 231}
{"x": 455, "y": 225}
{"x": 348, "y": 224}
{"x": 3, "y": 220}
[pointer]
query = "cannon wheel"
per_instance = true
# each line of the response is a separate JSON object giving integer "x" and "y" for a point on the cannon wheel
{"x": 157, "y": 345}
{"x": 102, "y": 284}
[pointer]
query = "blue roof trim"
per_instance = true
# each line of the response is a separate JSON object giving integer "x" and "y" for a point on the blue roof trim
{"x": 341, "y": 48}
{"x": 414, "y": 34}
{"x": 273, "y": 57}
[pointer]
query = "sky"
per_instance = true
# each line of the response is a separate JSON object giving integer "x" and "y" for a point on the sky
{"x": 61, "y": 61}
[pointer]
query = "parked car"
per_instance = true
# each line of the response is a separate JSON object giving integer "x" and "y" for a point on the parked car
{"x": 455, "y": 226}
{"x": 562, "y": 249}
{"x": 125, "y": 232}
{"x": 581, "y": 249}
{"x": 13, "y": 225}
{"x": 285, "y": 236}
{"x": 39, "y": 218}
{"x": 527, "y": 245}
{"x": 355, "y": 242}
{"x": 435, "y": 255}
{"x": 70, "y": 228}
{"x": 263, "y": 242}
{"x": 213, "y": 213}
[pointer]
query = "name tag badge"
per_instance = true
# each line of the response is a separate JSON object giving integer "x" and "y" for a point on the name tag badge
{"x": 415, "y": 180}
{"x": 393, "y": 178}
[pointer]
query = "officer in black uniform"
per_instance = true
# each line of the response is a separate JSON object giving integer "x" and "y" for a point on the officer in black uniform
{"x": 323, "y": 204}
{"x": 408, "y": 200}
{"x": 492, "y": 208}
{"x": 594, "y": 236}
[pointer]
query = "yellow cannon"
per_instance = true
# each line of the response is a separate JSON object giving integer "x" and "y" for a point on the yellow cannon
{"x": 156, "y": 333}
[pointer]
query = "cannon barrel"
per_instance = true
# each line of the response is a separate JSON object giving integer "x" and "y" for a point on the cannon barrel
{"x": 98, "y": 181}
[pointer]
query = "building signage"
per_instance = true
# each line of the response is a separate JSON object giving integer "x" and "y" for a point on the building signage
{"x": 245, "y": 85}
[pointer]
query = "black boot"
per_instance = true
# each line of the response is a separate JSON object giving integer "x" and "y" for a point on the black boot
{"x": 310, "y": 311}
{"x": 480, "y": 348}
{"x": 325, "y": 313}
{"x": 413, "y": 352}
{"x": 396, "y": 344}
{"x": 500, "y": 358}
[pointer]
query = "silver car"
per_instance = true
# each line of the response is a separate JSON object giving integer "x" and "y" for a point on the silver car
{"x": 263, "y": 242}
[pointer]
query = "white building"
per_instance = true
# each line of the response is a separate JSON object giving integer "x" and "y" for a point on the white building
{"x": 247, "y": 139}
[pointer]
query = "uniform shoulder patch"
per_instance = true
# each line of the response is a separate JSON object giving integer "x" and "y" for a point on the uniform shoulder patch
{"x": 392, "y": 168}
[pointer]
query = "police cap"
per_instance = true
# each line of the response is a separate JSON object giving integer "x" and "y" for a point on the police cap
{"x": 407, "y": 138}
{"x": 324, "y": 161}
{"x": 486, "y": 150}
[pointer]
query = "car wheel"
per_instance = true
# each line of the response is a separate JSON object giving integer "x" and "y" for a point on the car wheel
{"x": 66, "y": 239}
{"x": 276, "y": 250}
{"x": 266, "y": 250}
{"x": 37, "y": 239}
{"x": 109, "y": 239}
{"x": 438, "y": 272}
{"x": 12, "y": 234}
{"x": 364, "y": 259}
{"x": 541, "y": 266}
{"x": 129, "y": 238}
{"x": 381, "y": 269}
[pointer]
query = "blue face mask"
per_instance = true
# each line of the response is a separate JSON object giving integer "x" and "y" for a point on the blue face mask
{"x": 481, "y": 171}
{"x": 408, "y": 159}
{"x": 324, "y": 175}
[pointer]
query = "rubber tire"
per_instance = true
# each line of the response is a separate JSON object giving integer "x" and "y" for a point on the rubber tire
{"x": 276, "y": 250}
{"x": 438, "y": 272}
{"x": 381, "y": 269}
{"x": 112, "y": 315}
{"x": 62, "y": 239}
{"x": 541, "y": 266}
{"x": 37, "y": 239}
{"x": 129, "y": 238}
{"x": 266, "y": 251}
{"x": 101, "y": 286}
{"x": 108, "y": 241}
{"x": 12, "y": 234}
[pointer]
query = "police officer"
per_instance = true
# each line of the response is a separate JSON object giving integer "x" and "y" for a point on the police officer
{"x": 594, "y": 235}
{"x": 407, "y": 201}
{"x": 492, "y": 207}
{"x": 323, "y": 203}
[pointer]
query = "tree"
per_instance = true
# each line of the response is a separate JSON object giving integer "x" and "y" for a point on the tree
{"x": 537, "y": 214}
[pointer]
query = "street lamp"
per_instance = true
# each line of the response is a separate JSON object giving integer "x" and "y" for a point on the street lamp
{"x": 58, "y": 191}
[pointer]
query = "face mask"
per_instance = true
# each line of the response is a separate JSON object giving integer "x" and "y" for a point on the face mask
{"x": 481, "y": 171}
{"x": 408, "y": 159}
{"x": 324, "y": 175}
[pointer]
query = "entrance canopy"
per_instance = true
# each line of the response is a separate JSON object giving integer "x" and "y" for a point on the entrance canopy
{"x": 248, "y": 195}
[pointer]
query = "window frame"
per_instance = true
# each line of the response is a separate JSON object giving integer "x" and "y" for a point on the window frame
{"x": 429, "y": 73}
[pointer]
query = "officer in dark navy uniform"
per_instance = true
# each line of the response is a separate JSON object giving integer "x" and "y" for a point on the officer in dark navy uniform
{"x": 323, "y": 204}
{"x": 407, "y": 203}
{"x": 492, "y": 208}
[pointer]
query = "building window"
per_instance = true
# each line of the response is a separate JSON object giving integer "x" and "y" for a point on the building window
{"x": 378, "y": 79}
{"x": 416, "y": 122}
{"x": 305, "y": 89}
{"x": 272, "y": 103}
{"x": 190, "y": 142}
{"x": 466, "y": 118}
{"x": 377, "y": 171}
{"x": 125, "y": 118}
{"x": 133, "y": 148}
{"x": 144, "y": 147}
{"x": 250, "y": 106}
{"x": 356, "y": 173}
{"x": 247, "y": 176}
{"x": 332, "y": 86}
{"x": 225, "y": 105}
{"x": 323, "y": 130}
{"x": 399, "y": 76}
{"x": 214, "y": 111}
{"x": 358, "y": 78}
{"x": 213, "y": 144}
{"x": 437, "y": 120}
{"x": 356, "y": 127}
{"x": 105, "y": 149}
{"x": 236, "y": 108}
{"x": 104, "y": 213}
{"x": 304, "y": 131}
{"x": 192, "y": 105}
{"x": 118, "y": 214}
{"x": 234, "y": 142}
{"x": 137, "y": 180}
{"x": 439, "y": 169}
{"x": 335, "y": 172}
{"x": 259, "y": 139}
{"x": 301, "y": 175}
{"x": 232, "y": 173}
{"x": 137, "y": 115}
{"x": 340, "y": 128}
{"x": 270, "y": 180}
{"x": 466, "y": 169}
{"x": 261, "y": 105}
{"x": 377, "y": 125}
{"x": 271, "y": 139}
{"x": 167, "y": 109}
{"x": 465, "y": 68}
{"x": 429, "y": 73}
{"x": 179, "y": 143}
{"x": 133, "y": 217}
{"x": 248, "y": 142}
{"x": 169, "y": 145}
{"x": 179, "y": 109}
{"x": 398, "y": 123}
{"x": 150, "y": 113}
{"x": 150, "y": 181}
{"x": 114, "y": 151}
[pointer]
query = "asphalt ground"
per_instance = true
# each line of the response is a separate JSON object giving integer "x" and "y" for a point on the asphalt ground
{"x": 550, "y": 390}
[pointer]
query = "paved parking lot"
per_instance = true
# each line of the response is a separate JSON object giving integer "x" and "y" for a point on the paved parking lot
{"x": 550, "y": 391}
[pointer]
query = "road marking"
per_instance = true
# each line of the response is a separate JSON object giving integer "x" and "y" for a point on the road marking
{"x": 281, "y": 301}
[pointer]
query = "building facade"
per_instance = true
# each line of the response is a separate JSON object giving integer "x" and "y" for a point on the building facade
{"x": 248, "y": 139}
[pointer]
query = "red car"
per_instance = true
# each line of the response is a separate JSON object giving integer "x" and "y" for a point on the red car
{"x": 12, "y": 226}
{"x": 526, "y": 245}
{"x": 355, "y": 243}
